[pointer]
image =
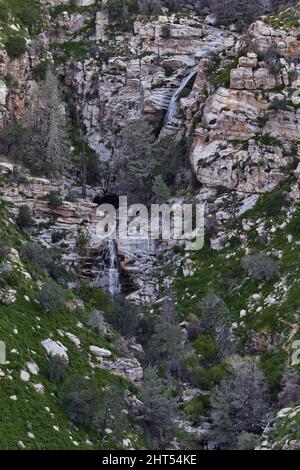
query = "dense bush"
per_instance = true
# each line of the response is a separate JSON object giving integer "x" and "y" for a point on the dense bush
{"x": 94, "y": 296}
{"x": 82, "y": 400}
{"x": 165, "y": 347}
{"x": 240, "y": 404}
{"x": 37, "y": 255}
{"x": 123, "y": 317}
{"x": 57, "y": 368}
{"x": 158, "y": 408}
{"x": 15, "y": 46}
{"x": 290, "y": 393}
{"x": 27, "y": 12}
{"x": 51, "y": 297}
{"x": 82, "y": 240}
{"x": 46, "y": 261}
{"x": 215, "y": 317}
{"x": 96, "y": 321}
{"x": 230, "y": 11}
{"x": 24, "y": 218}
{"x": 261, "y": 267}
{"x": 4, "y": 251}
{"x": 87, "y": 405}
{"x": 54, "y": 199}
{"x": 272, "y": 203}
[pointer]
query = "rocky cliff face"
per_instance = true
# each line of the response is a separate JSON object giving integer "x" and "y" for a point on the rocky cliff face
{"x": 234, "y": 98}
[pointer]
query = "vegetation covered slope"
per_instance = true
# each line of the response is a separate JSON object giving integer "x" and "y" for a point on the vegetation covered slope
{"x": 33, "y": 402}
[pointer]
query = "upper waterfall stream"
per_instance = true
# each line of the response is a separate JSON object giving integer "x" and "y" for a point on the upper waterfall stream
{"x": 174, "y": 103}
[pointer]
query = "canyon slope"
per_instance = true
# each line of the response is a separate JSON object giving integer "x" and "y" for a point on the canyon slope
{"x": 230, "y": 99}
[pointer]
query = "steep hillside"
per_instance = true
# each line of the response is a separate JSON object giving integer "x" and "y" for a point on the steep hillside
{"x": 200, "y": 350}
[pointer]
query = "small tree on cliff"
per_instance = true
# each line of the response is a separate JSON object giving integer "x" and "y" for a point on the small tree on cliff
{"x": 135, "y": 160}
{"x": 45, "y": 119}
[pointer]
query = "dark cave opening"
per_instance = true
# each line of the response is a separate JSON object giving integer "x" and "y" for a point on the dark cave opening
{"x": 112, "y": 199}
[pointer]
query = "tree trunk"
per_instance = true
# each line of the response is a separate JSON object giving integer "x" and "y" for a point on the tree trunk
{"x": 83, "y": 167}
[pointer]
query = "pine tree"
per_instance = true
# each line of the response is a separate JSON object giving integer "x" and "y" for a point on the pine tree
{"x": 240, "y": 403}
{"x": 45, "y": 118}
{"x": 160, "y": 190}
{"x": 135, "y": 160}
{"x": 215, "y": 317}
{"x": 158, "y": 411}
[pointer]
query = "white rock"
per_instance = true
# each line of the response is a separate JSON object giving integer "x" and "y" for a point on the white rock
{"x": 74, "y": 339}
{"x": 256, "y": 296}
{"x": 39, "y": 388}
{"x": 21, "y": 444}
{"x": 33, "y": 368}
{"x": 13, "y": 397}
{"x": 25, "y": 376}
{"x": 3, "y": 93}
{"x": 243, "y": 313}
{"x": 55, "y": 348}
{"x": 30, "y": 435}
{"x": 100, "y": 352}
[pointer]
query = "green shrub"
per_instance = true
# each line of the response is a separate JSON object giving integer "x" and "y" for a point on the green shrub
{"x": 51, "y": 297}
{"x": 54, "y": 199}
{"x": 166, "y": 31}
{"x": 24, "y": 218}
{"x": 261, "y": 267}
{"x": 272, "y": 203}
{"x": 71, "y": 196}
{"x": 294, "y": 225}
{"x": 94, "y": 296}
{"x": 82, "y": 400}
{"x": 123, "y": 317}
{"x": 15, "y": 46}
{"x": 4, "y": 250}
{"x": 57, "y": 368}
{"x": 82, "y": 240}
{"x": 40, "y": 71}
{"x": 37, "y": 255}
{"x": 10, "y": 80}
{"x": 58, "y": 235}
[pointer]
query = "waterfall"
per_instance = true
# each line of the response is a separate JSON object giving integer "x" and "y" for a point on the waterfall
{"x": 174, "y": 103}
{"x": 108, "y": 275}
{"x": 114, "y": 287}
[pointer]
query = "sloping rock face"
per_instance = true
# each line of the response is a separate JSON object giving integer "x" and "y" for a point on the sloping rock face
{"x": 244, "y": 128}
{"x": 13, "y": 97}
{"x": 141, "y": 77}
{"x": 247, "y": 139}
{"x": 135, "y": 259}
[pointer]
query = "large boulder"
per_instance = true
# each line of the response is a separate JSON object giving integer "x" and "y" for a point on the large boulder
{"x": 100, "y": 352}
{"x": 129, "y": 368}
{"x": 55, "y": 348}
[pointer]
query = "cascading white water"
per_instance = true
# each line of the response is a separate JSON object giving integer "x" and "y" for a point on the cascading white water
{"x": 174, "y": 103}
{"x": 114, "y": 286}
